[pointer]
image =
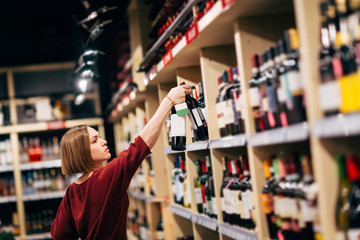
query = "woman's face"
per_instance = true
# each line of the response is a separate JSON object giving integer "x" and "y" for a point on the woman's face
{"x": 99, "y": 150}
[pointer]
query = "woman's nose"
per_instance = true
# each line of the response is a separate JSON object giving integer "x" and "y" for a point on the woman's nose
{"x": 104, "y": 141}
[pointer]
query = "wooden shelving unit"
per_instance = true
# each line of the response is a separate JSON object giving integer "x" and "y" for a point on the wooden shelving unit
{"x": 228, "y": 37}
{"x": 16, "y": 129}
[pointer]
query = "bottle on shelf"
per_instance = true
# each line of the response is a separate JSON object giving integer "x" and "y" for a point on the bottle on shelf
{"x": 177, "y": 184}
{"x": 220, "y": 106}
{"x": 186, "y": 185}
{"x": 160, "y": 235}
{"x": 254, "y": 93}
{"x": 353, "y": 170}
{"x": 225, "y": 180}
{"x": 197, "y": 187}
{"x": 237, "y": 103}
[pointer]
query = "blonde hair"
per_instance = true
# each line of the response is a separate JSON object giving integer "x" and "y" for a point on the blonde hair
{"x": 75, "y": 151}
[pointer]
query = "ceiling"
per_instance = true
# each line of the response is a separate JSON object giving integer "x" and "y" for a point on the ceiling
{"x": 45, "y": 31}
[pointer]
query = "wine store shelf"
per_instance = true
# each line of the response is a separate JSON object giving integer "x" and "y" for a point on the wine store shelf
{"x": 43, "y": 196}
{"x": 228, "y": 142}
{"x": 7, "y": 199}
{"x": 236, "y": 233}
{"x": 338, "y": 126}
{"x": 6, "y": 168}
{"x": 41, "y": 165}
{"x": 141, "y": 196}
{"x": 36, "y": 236}
{"x": 196, "y": 146}
{"x": 293, "y": 133}
{"x": 45, "y": 126}
{"x": 181, "y": 211}
{"x": 205, "y": 221}
{"x": 184, "y": 54}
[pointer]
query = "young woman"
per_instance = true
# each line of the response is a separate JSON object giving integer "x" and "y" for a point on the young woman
{"x": 95, "y": 206}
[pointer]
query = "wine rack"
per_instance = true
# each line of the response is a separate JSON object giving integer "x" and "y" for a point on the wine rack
{"x": 226, "y": 36}
{"x": 16, "y": 130}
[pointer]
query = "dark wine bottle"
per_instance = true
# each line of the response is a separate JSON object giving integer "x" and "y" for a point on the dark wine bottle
{"x": 178, "y": 131}
{"x": 254, "y": 93}
{"x": 353, "y": 171}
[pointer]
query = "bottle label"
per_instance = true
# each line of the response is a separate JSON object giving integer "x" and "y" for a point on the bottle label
{"x": 214, "y": 206}
{"x": 281, "y": 94}
{"x": 198, "y": 195}
{"x": 209, "y": 206}
{"x": 353, "y": 234}
{"x": 245, "y": 199}
{"x": 192, "y": 122}
{"x": 235, "y": 200}
{"x": 204, "y": 113}
{"x": 177, "y": 126}
{"x": 340, "y": 235}
{"x": 292, "y": 208}
{"x": 228, "y": 197}
{"x": 266, "y": 203}
{"x": 159, "y": 235}
{"x": 197, "y": 117}
{"x": 295, "y": 82}
{"x": 348, "y": 92}
{"x": 265, "y": 104}
{"x": 181, "y": 109}
{"x": 307, "y": 212}
{"x": 229, "y": 112}
{"x": 254, "y": 96}
{"x": 330, "y": 96}
{"x": 271, "y": 94}
{"x": 220, "y": 116}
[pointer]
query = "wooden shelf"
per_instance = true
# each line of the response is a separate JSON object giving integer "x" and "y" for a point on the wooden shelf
{"x": 219, "y": 21}
{"x": 340, "y": 125}
{"x": 228, "y": 142}
{"x": 190, "y": 147}
{"x": 141, "y": 196}
{"x": 40, "y": 165}
{"x": 140, "y": 97}
{"x": 293, "y": 133}
{"x": 204, "y": 221}
{"x": 236, "y": 232}
{"x": 6, "y": 168}
{"x": 36, "y": 236}
{"x": 44, "y": 126}
{"x": 181, "y": 211}
{"x": 7, "y": 199}
{"x": 43, "y": 196}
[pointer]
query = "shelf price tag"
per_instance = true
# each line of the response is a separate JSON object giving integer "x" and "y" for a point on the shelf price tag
{"x": 167, "y": 58}
{"x": 192, "y": 33}
{"x": 56, "y": 125}
{"x": 227, "y": 3}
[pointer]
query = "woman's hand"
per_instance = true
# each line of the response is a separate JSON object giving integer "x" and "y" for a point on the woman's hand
{"x": 177, "y": 94}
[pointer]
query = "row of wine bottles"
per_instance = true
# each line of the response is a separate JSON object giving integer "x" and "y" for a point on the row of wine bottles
{"x": 339, "y": 88}
{"x": 289, "y": 197}
{"x": 140, "y": 227}
{"x": 228, "y": 104}
{"x": 194, "y": 108}
{"x": 44, "y": 180}
{"x": 348, "y": 203}
{"x": 6, "y": 155}
{"x": 236, "y": 193}
{"x": 34, "y": 149}
{"x": 276, "y": 89}
{"x": 140, "y": 180}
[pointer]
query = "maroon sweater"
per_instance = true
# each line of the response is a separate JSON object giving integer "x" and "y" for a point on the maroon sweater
{"x": 97, "y": 208}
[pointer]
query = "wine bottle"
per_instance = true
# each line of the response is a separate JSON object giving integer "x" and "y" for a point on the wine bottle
{"x": 342, "y": 206}
{"x": 220, "y": 107}
{"x": 329, "y": 89}
{"x": 237, "y": 103}
{"x": 208, "y": 189}
{"x": 247, "y": 195}
{"x": 271, "y": 81}
{"x": 197, "y": 187}
{"x": 353, "y": 171}
{"x": 263, "y": 101}
{"x": 224, "y": 183}
{"x": 201, "y": 101}
{"x": 178, "y": 131}
{"x": 175, "y": 179}
{"x": 203, "y": 182}
{"x": 159, "y": 234}
{"x": 267, "y": 198}
{"x": 254, "y": 93}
